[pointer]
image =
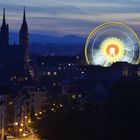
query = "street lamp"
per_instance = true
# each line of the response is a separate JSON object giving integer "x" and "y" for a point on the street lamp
{"x": 24, "y": 135}
{"x": 16, "y": 123}
{"x": 20, "y": 130}
{"x": 21, "y": 124}
{"x": 35, "y": 114}
{"x": 40, "y": 112}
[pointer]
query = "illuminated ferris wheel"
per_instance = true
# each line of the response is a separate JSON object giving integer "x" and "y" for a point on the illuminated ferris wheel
{"x": 110, "y": 43}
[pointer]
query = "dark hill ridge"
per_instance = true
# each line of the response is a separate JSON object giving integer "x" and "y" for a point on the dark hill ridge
{"x": 43, "y": 39}
{"x": 73, "y": 39}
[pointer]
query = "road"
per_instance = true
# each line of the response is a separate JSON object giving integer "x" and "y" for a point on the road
{"x": 25, "y": 138}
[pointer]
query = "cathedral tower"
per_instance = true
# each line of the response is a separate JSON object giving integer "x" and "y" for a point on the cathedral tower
{"x": 4, "y": 36}
{"x": 23, "y": 38}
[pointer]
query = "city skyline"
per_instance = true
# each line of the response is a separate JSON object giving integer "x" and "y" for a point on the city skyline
{"x": 50, "y": 17}
{"x": 58, "y": 80}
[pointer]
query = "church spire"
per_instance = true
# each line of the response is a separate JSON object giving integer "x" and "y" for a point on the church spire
{"x": 23, "y": 39}
{"x": 4, "y": 33}
{"x": 4, "y": 21}
{"x": 24, "y": 17}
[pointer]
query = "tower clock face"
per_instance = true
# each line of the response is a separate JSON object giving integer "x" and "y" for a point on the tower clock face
{"x": 110, "y": 43}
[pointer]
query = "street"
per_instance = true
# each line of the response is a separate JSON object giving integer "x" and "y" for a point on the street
{"x": 26, "y": 138}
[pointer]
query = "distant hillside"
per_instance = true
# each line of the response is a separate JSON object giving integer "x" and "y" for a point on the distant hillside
{"x": 72, "y": 39}
{"x": 43, "y": 39}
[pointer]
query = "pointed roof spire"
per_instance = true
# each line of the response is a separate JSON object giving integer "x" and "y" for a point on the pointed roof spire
{"x": 24, "y": 16}
{"x": 4, "y": 21}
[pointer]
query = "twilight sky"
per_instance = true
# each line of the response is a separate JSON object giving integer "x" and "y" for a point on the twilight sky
{"x": 63, "y": 17}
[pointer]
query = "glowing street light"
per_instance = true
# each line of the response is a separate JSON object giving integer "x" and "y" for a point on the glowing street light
{"x": 35, "y": 114}
{"x": 40, "y": 112}
{"x": 16, "y": 123}
{"x": 20, "y": 130}
{"x": 21, "y": 124}
{"x": 24, "y": 135}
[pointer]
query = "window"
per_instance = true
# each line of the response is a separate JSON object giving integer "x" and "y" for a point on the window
{"x": 49, "y": 73}
{"x": 55, "y": 73}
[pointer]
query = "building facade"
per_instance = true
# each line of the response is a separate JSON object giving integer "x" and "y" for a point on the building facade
{"x": 14, "y": 59}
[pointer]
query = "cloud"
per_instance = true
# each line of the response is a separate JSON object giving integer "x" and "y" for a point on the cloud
{"x": 70, "y": 17}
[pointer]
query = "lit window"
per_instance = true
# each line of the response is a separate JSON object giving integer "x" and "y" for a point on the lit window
{"x": 49, "y": 73}
{"x": 42, "y": 64}
{"x": 55, "y": 73}
{"x": 61, "y": 105}
{"x": 80, "y": 95}
{"x": 10, "y": 103}
{"x": 138, "y": 73}
{"x": 59, "y": 68}
{"x": 82, "y": 72}
{"x": 73, "y": 96}
{"x": 14, "y": 77}
{"x": 26, "y": 78}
